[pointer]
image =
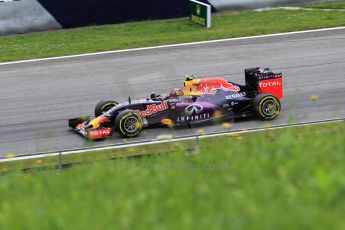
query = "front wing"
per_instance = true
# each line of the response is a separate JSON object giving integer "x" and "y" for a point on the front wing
{"x": 79, "y": 126}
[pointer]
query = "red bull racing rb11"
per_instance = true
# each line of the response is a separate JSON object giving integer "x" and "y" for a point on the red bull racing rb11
{"x": 200, "y": 100}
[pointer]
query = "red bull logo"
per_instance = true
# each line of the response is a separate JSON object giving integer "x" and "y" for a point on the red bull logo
{"x": 211, "y": 85}
{"x": 152, "y": 109}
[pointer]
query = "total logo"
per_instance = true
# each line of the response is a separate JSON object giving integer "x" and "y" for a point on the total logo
{"x": 152, "y": 109}
{"x": 94, "y": 134}
{"x": 269, "y": 84}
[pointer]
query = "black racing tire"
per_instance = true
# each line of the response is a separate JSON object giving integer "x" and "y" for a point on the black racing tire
{"x": 104, "y": 106}
{"x": 129, "y": 123}
{"x": 267, "y": 106}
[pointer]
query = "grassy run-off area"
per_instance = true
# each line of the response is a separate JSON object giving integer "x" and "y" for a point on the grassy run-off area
{"x": 329, "y": 5}
{"x": 292, "y": 178}
{"x": 151, "y": 33}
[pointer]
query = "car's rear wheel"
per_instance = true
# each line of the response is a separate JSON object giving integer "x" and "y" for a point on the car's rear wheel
{"x": 267, "y": 106}
{"x": 104, "y": 106}
{"x": 129, "y": 123}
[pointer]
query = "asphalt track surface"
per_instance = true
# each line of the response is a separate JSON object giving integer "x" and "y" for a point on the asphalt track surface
{"x": 37, "y": 98}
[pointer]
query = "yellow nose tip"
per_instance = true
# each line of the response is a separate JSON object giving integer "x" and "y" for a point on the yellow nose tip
{"x": 95, "y": 122}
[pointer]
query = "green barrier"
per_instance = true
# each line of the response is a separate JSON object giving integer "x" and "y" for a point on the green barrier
{"x": 200, "y": 13}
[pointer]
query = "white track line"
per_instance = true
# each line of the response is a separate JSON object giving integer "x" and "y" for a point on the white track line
{"x": 96, "y": 149}
{"x": 173, "y": 45}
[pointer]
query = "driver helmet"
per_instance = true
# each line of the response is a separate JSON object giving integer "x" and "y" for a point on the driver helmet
{"x": 177, "y": 92}
{"x": 189, "y": 77}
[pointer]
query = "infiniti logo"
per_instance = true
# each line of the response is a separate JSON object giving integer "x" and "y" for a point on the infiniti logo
{"x": 196, "y": 109}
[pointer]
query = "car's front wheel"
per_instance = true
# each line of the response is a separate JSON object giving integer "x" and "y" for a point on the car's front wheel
{"x": 267, "y": 106}
{"x": 104, "y": 106}
{"x": 129, "y": 123}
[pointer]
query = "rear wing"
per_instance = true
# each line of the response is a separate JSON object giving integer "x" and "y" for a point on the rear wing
{"x": 263, "y": 80}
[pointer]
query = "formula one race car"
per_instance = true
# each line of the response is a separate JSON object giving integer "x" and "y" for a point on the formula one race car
{"x": 201, "y": 100}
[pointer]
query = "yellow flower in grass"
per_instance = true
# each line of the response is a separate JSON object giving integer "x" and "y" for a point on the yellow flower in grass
{"x": 168, "y": 122}
{"x": 10, "y": 155}
{"x": 226, "y": 125}
{"x": 217, "y": 114}
{"x": 39, "y": 161}
{"x": 267, "y": 125}
{"x": 314, "y": 98}
{"x": 271, "y": 134}
{"x": 201, "y": 132}
{"x": 239, "y": 137}
{"x": 138, "y": 125}
{"x": 233, "y": 134}
{"x": 177, "y": 144}
{"x": 165, "y": 136}
{"x": 131, "y": 150}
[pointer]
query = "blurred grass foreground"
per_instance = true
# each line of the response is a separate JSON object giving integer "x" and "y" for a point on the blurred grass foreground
{"x": 288, "y": 179}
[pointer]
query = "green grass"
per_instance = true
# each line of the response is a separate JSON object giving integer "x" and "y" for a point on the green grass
{"x": 151, "y": 33}
{"x": 329, "y": 5}
{"x": 287, "y": 179}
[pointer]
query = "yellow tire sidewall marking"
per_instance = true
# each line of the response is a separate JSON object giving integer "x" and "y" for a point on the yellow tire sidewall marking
{"x": 124, "y": 118}
{"x": 275, "y": 101}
